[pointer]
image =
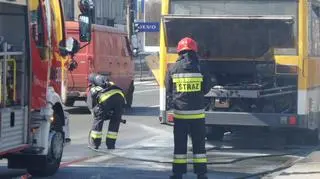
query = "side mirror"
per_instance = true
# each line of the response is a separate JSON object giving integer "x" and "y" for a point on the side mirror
{"x": 85, "y": 28}
{"x": 69, "y": 47}
{"x": 72, "y": 45}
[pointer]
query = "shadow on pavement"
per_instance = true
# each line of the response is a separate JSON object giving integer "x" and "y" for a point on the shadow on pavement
{"x": 78, "y": 110}
{"x": 251, "y": 145}
{"x": 106, "y": 172}
{"x": 6, "y": 173}
{"x": 135, "y": 111}
{"x": 142, "y": 111}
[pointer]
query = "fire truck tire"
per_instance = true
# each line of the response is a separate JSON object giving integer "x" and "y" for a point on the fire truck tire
{"x": 53, "y": 158}
{"x": 129, "y": 96}
{"x": 69, "y": 102}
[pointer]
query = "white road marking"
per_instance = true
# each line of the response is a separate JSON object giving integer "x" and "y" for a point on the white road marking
{"x": 154, "y": 106}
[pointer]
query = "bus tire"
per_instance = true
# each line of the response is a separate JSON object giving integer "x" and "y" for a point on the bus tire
{"x": 53, "y": 159}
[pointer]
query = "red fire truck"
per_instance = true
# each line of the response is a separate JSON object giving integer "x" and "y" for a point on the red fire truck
{"x": 33, "y": 47}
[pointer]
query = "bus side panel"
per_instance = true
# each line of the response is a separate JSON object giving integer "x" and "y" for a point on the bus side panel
{"x": 312, "y": 101}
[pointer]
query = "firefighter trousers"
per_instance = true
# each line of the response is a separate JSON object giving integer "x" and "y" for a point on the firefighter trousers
{"x": 115, "y": 103}
{"x": 196, "y": 128}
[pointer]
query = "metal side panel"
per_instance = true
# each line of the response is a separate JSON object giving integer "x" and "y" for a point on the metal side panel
{"x": 13, "y": 128}
{"x": 254, "y": 119}
{"x": 18, "y": 2}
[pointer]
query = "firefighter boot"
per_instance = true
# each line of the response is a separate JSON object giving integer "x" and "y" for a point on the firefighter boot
{"x": 202, "y": 176}
{"x": 95, "y": 142}
{"x": 110, "y": 143}
{"x": 176, "y": 176}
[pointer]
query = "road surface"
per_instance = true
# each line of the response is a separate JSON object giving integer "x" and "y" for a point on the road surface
{"x": 144, "y": 148}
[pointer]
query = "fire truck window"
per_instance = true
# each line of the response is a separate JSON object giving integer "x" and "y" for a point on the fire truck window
{"x": 12, "y": 59}
{"x": 37, "y": 27}
{"x": 14, "y": 80}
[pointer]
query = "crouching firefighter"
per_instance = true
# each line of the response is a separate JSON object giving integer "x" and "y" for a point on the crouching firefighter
{"x": 107, "y": 102}
{"x": 186, "y": 86}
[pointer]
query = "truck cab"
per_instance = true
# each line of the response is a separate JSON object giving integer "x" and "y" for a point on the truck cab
{"x": 109, "y": 54}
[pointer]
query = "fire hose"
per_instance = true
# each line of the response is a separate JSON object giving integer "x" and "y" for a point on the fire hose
{"x": 282, "y": 167}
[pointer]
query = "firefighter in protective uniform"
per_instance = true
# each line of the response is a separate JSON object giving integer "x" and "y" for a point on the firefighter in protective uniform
{"x": 186, "y": 85}
{"x": 106, "y": 101}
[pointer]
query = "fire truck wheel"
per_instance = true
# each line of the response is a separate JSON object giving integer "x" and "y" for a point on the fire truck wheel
{"x": 129, "y": 96}
{"x": 53, "y": 158}
{"x": 69, "y": 102}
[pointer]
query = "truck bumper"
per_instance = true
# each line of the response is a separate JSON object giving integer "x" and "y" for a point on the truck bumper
{"x": 77, "y": 95}
{"x": 274, "y": 120}
{"x": 256, "y": 119}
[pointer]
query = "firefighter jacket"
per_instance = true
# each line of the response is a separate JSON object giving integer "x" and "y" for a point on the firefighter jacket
{"x": 107, "y": 92}
{"x": 186, "y": 85}
{"x": 92, "y": 95}
{"x": 97, "y": 94}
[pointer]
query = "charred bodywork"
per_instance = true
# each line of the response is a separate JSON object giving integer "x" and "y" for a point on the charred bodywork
{"x": 244, "y": 86}
{"x": 239, "y": 53}
{"x": 250, "y": 88}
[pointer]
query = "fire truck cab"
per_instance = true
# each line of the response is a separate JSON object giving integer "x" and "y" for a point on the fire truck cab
{"x": 33, "y": 50}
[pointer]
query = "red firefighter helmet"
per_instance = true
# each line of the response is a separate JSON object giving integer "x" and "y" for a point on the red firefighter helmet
{"x": 187, "y": 44}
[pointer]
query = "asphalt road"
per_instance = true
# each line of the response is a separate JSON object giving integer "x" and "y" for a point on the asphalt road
{"x": 143, "y": 139}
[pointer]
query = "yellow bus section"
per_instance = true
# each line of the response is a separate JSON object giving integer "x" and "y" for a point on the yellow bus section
{"x": 313, "y": 73}
{"x": 153, "y": 62}
{"x": 309, "y": 73}
{"x": 33, "y": 5}
{"x": 308, "y": 67}
{"x": 163, "y": 48}
{"x": 303, "y": 44}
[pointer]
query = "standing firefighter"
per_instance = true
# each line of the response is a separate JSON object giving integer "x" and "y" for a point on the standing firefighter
{"x": 186, "y": 86}
{"x": 106, "y": 101}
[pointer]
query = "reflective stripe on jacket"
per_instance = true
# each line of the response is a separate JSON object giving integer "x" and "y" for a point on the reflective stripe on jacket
{"x": 107, "y": 94}
{"x": 186, "y": 86}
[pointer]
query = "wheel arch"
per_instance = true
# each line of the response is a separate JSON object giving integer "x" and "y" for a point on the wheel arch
{"x": 57, "y": 108}
{"x": 55, "y": 100}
